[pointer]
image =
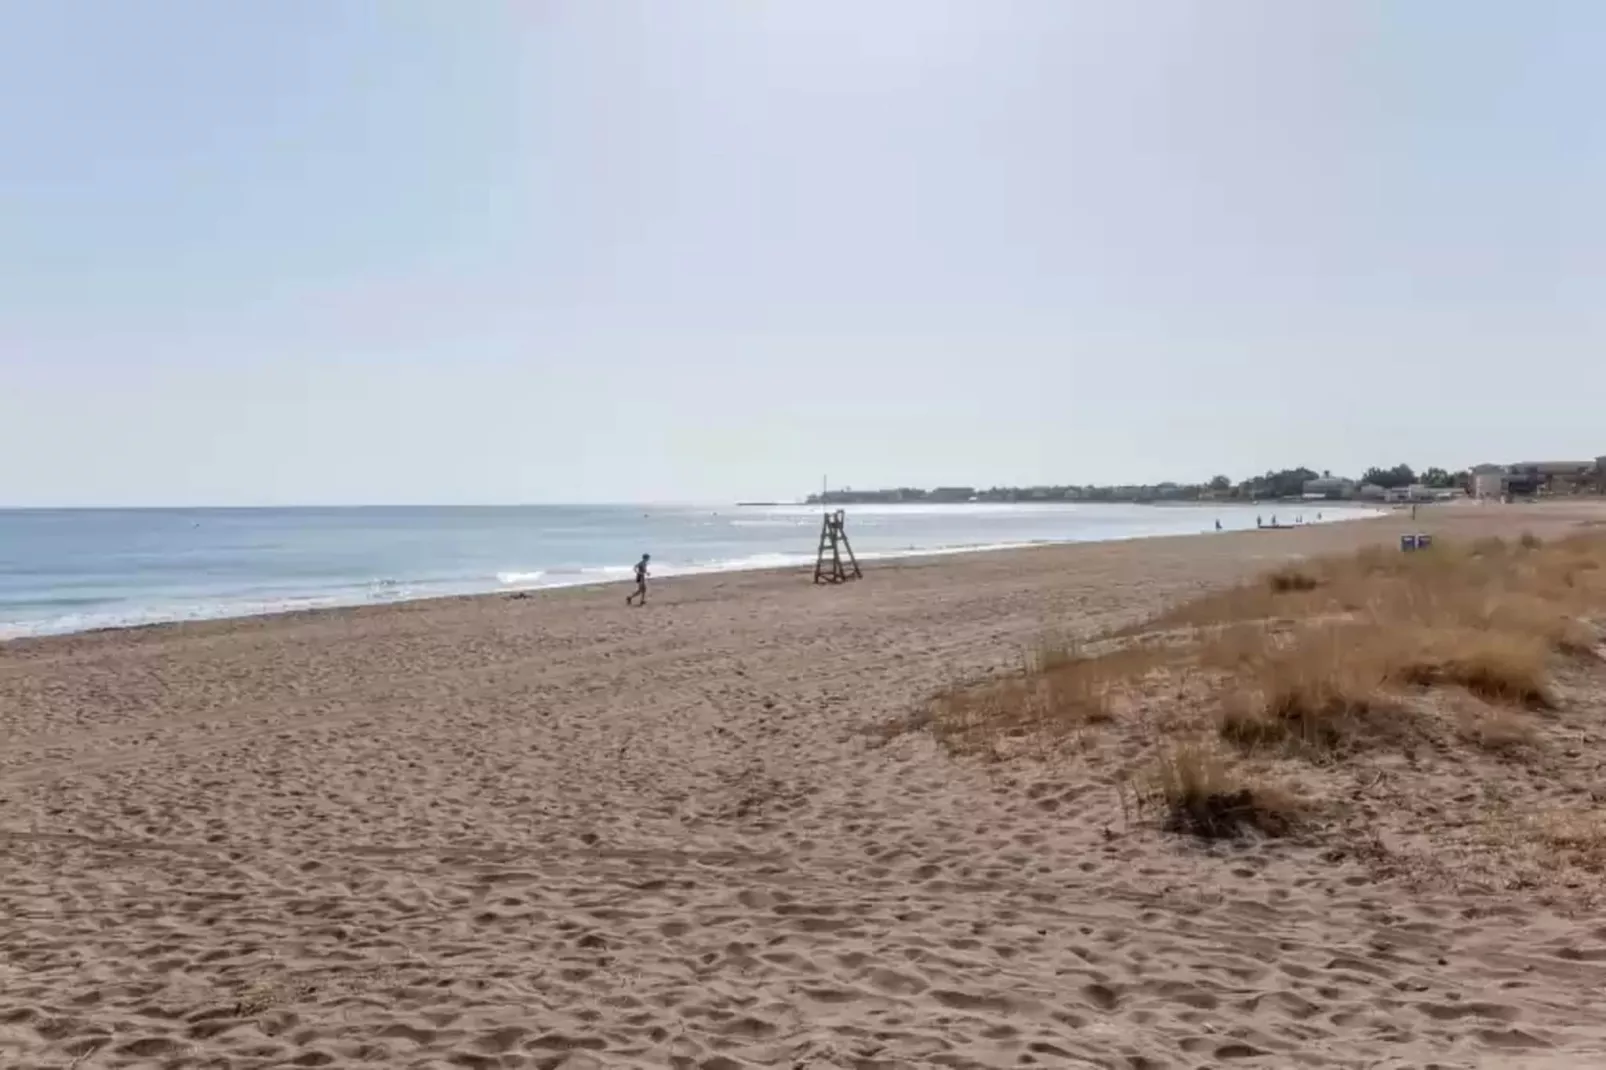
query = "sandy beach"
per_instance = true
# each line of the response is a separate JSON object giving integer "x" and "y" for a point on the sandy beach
{"x": 553, "y": 831}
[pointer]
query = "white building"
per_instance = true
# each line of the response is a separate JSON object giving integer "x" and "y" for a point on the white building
{"x": 1488, "y": 481}
{"x": 1329, "y": 487}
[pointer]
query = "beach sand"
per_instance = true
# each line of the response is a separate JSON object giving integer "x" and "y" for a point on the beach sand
{"x": 553, "y": 831}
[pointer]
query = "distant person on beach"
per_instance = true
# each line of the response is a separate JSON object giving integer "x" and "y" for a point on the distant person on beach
{"x": 641, "y": 581}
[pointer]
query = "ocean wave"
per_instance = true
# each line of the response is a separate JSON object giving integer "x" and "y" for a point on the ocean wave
{"x": 738, "y": 564}
{"x": 60, "y": 602}
{"x": 590, "y": 575}
{"x": 144, "y": 616}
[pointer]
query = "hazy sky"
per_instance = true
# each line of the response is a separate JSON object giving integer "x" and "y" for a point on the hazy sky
{"x": 310, "y": 251}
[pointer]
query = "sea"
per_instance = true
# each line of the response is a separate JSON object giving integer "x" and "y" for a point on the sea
{"x": 80, "y": 569}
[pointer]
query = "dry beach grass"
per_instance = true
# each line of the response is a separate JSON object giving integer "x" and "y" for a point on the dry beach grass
{"x": 1320, "y": 659}
{"x": 1263, "y": 799}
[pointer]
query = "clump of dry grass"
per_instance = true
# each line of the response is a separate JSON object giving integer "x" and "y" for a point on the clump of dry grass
{"x": 1316, "y": 660}
{"x": 1059, "y": 691}
{"x": 1200, "y": 794}
{"x": 1235, "y": 647}
{"x": 1318, "y": 657}
{"x": 1332, "y": 687}
{"x": 1498, "y": 666}
{"x": 1520, "y": 613}
{"x": 976, "y": 719}
{"x": 1322, "y": 690}
{"x": 1256, "y": 601}
{"x": 1427, "y": 587}
{"x": 1576, "y": 837}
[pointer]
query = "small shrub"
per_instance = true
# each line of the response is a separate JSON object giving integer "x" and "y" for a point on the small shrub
{"x": 1291, "y": 578}
{"x": 1202, "y": 796}
{"x": 1530, "y": 541}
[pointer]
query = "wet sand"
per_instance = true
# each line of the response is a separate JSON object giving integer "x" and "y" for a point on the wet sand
{"x": 554, "y": 831}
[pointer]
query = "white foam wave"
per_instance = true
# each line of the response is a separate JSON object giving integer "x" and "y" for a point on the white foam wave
{"x": 67, "y": 623}
{"x": 517, "y": 579}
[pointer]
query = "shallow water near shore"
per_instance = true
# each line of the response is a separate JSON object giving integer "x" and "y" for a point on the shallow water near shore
{"x": 74, "y": 570}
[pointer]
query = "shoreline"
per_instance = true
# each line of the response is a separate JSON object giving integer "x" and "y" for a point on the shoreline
{"x": 699, "y": 583}
{"x": 16, "y": 632}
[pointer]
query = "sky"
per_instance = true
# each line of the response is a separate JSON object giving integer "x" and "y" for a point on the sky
{"x": 272, "y": 252}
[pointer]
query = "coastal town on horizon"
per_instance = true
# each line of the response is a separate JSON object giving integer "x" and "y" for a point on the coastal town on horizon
{"x": 1399, "y": 483}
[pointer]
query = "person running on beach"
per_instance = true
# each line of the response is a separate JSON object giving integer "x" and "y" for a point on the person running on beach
{"x": 641, "y": 581}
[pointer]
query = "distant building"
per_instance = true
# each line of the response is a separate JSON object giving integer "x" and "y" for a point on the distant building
{"x": 1548, "y": 477}
{"x": 1330, "y": 487}
{"x": 1416, "y": 492}
{"x": 952, "y": 494}
{"x": 1488, "y": 481}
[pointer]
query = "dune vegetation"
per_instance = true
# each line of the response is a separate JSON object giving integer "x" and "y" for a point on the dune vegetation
{"x": 1255, "y": 706}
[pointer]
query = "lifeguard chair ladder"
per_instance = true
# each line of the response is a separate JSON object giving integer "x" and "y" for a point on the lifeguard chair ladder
{"x": 828, "y": 565}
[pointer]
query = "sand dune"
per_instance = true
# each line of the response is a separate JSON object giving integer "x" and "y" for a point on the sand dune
{"x": 554, "y": 832}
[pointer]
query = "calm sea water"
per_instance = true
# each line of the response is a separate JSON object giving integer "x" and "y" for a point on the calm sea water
{"x": 71, "y": 570}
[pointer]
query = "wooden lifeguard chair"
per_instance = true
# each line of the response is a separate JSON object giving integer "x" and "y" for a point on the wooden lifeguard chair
{"x": 828, "y": 565}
